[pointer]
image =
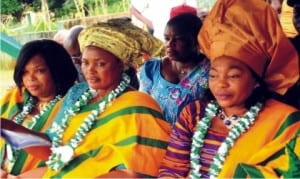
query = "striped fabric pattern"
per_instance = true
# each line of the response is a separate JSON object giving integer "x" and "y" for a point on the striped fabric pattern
{"x": 270, "y": 148}
{"x": 131, "y": 133}
{"x": 10, "y": 105}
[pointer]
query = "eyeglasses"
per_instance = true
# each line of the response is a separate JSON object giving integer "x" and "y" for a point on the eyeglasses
{"x": 76, "y": 59}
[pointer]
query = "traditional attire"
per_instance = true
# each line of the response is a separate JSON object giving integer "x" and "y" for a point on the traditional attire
{"x": 268, "y": 145}
{"x": 138, "y": 143}
{"x": 190, "y": 88}
{"x": 286, "y": 19}
{"x": 10, "y": 105}
{"x": 261, "y": 157}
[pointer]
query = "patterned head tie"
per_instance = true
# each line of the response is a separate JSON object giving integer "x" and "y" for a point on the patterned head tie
{"x": 124, "y": 40}
{"x": 250, "y": 32}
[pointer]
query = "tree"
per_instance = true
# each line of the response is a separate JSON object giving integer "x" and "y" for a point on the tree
{"x": 13, "y": 7}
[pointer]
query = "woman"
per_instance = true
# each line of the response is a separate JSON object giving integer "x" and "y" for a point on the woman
{"x": 103, "y": 125}
{"x": 240, "y": 132}
{"x": 181, "y": 77}
{"x": 43, "y": 74}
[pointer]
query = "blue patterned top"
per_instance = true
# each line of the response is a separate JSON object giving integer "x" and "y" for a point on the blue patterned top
{"x": 173, "y": 97}
{"x": 69, "y": 100}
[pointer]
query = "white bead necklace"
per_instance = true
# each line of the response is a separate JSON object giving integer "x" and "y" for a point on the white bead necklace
{"x": 62, "y": 154}
{"x": 198, "y": 139}
{"x": 27, "y": 108}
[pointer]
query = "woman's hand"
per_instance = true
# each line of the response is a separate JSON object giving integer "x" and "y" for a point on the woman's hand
{"x": 3, "y": 174}
{"x": 34, "y": 173}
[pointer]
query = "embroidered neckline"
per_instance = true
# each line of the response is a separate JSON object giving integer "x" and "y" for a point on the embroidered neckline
{"x": 62, "y": 154}
{"x": 202, "y": 127}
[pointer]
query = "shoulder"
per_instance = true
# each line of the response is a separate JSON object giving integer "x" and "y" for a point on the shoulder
{"x": 205, "y": 64}
{"x": 192, "y": 113}
{"x": 74, "y": 92}
{"x": 150, "y": 67}
{"x": 15, "y": 95}
{"x": 193, "y": 109}
{"x": 137, "y": 98}
{"x": 279, "y": 112}
{"x": 12, "y": 92}
{"x": 152, "y": 64}
{"x": 278, "y": 107}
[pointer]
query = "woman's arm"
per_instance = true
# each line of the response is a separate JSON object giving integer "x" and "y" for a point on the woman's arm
{"x": 176, "y": 163}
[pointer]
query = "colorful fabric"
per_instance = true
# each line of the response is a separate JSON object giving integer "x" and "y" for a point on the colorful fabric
{"x": 209, "y": 150}
{"x": 121, "y": 38}
{"x": 269, "y": 149}
{"x": 173, "y": 97}
{"x": 131, "y": 133}
{"x": 286, "y": 19}
{"x": 10, "y": 105}
{"x": 250, "y": 31}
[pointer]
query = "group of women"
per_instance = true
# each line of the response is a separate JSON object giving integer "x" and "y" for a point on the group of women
{"x": 105, "y": 128}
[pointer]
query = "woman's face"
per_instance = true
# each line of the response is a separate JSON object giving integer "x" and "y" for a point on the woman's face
{"x": 37, "y": 79}
{"x": 231, "y": 82}
{"x": 102, "y": 70}
{"x": 179, "y": 47}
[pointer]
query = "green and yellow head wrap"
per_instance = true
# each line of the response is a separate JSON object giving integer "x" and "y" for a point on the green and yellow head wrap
{"x": 121, "y": 38}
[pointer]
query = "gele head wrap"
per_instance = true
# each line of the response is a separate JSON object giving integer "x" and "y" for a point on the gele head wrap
{"x": 124, "y": 40}
{"x": 250, "y": 31}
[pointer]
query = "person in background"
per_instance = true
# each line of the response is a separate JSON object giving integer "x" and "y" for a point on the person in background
{"x": 181, "y": 76}
{"x": 43, "y": 73}
{"x": 105, "y": 127}
{"x": 239, "y": 131}
{"x": 276, "y": 5}
{"x": 71, "y": 44}
{"x": 60, "y": 35}
{"x": 182, "y": 9}
{"x": 138, "y": 10}
{"x": 154, "y": 14}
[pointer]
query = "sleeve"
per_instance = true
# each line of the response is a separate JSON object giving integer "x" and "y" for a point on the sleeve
{"x": 176, "y": 162}
{"x": 12, "y": 101}
{"x": 284, "y": 161}
{"x": 146, "y": 76}
{"x": 140, "y": 5}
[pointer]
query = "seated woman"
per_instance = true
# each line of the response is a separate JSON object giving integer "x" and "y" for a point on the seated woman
{"x": 43, "y": 73}
{"x": 180, "y": 77}
{"x": 239, "y": 132}
{"x": 104, "y": 125}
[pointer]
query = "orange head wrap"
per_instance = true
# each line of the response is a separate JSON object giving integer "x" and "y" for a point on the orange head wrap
{"x": 250, "y": 31}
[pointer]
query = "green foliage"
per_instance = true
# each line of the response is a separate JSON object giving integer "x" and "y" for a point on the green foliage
{"x": 59, "y": 9}
{"x": 12, "y": 7}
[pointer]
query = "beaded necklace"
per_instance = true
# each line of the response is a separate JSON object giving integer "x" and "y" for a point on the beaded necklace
{"x": 202, "y": 127}
{"x": 62, "y": 154}
{"x": 27, "y": 108}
